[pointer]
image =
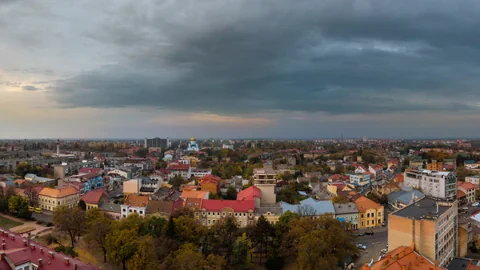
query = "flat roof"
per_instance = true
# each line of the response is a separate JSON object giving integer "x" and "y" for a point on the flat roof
{"x": 425, "y": 208}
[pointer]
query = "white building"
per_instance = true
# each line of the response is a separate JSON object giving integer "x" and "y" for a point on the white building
{"x": 441, "y": 185}
{"x": 227, "y": 146}
{"x": 475, "y": 180}
{"x": 134, "y": 204}
{"x": 197, "y": 172}
{"x": 360, "y": 179}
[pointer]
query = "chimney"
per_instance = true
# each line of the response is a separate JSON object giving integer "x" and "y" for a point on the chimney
{"x": 50, "y": 254}
{"x": 437, "y": 208}
{"x": 40, "y": 262}
{"x": 66, "y": 261}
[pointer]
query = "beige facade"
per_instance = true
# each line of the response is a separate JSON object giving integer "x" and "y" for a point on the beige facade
{"x": 49, "y": 198}
{"x": 265, "y": 179}
{"x": 131, "y": 186}
{"x": 432, "y": 229}
{"x": 210, "y": 218}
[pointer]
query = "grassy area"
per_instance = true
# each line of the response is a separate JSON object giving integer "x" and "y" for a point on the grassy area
{"x": 8, "y": 223}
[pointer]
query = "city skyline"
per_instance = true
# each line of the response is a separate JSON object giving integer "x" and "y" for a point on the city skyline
{"x": 237, "y": 69}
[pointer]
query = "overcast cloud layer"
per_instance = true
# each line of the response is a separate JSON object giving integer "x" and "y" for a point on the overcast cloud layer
{"x": 286, "y": 62}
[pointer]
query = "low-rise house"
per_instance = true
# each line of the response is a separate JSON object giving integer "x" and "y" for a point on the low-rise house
{"x": 347, "y": 213}
{"x": 270, "y": 213}
{"x": 361, "y": 169}
{"x": 193, "y": 203}
{"x": 375, "y": 169}
{"x": 94, "y": 198}
{"x": 400, "y": 199}
{"x": 90, "y": 181}
{"x": 111, "y": 209}
{"x": 183, "y": 170}
{"x": 197, "y": 172}
{"x": 338, "y": 177}
{"x": 23, "y": 253}
{"x": 50, "y": 198}
{"x": 387, "y": 188}
{"x": 141, "y": 163}
{"x": 360, "y": 179}
{"x": 468, "y": 189}
{"x": 210, "y": 183}
{"x": 134, "y": 204}
{"x": 370, "y": 213}
{"x": 160, "y": 208}
{"x": 213, "y": 211}
{"x": 40, "y": 180}
{"x": 313, "y": 175}
{"x": 126, "y": 173}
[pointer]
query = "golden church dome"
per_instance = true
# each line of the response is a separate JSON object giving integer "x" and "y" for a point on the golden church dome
{"x": 192, "y": 139}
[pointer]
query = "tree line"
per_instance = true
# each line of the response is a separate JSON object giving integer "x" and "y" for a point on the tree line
{"x": 180, "y": 242}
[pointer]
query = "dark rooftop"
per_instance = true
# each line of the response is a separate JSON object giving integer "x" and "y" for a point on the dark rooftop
{"x": 422, "y": 209}
{"x": 461, "y": 264}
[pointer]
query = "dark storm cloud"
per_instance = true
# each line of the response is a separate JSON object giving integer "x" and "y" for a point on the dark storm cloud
{"x": 30, "y": 88}
{"x": 234, "y": 57}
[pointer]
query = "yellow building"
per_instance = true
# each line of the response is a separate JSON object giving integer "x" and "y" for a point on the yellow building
{"x": 50, "y": 198}
{"x": 271, "y": 214}
{"x": 213, "y": 211}
{"x": 94, "y": 198}
{"x": 370, "y": 213}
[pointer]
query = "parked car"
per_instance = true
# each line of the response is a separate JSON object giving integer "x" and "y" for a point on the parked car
{"x": 360, "y": 246}
{"x": 369, "y": 233}
{"x": 358, "y": 234}
{"x": 475, "y": 204}
{"x": 383, "y": 251}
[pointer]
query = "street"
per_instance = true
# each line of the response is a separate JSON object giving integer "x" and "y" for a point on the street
{"x": 44, "y": 217}
{"x": 374, "y": 243}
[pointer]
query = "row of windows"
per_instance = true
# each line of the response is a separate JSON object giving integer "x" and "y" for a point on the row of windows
{"x": 371, "y": 215}
{"x": 223, "y": 214}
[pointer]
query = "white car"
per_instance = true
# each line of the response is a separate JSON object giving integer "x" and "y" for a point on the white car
{"x": 383, "y": 251}
{"x": 360, "y": 246}
{"x": 475, "y": 204}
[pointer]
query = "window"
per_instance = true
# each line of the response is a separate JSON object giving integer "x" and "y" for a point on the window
{"x": 368, "y": 215}
{"x": 362, "y": 217}
{"x": 208, "y": 222}
{"x": 141, "y": 212}
{"x": 379, "y": 214}
{"x": 58, "y": 202}
{"x": 368, "y": 222}
{"x": 362, "y": 223}
{"x": 223, "y": 214}
{"x": 26, "y": 268}
{"x": 130, "y": 210}
{"x": 196, "y": 214}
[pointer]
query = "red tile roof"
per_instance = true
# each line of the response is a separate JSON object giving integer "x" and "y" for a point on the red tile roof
{"x": 249, "y": 193}
{"x": 90, "y": 170}
{"x": 399, "y": 177}
{"x": 237, "y": 206}
{"x": 461, "y": 194}
{"x": 94, "y": 196}
{"x": 20, "y": 252}
{"x": 210, "y": 179}
{"x": 178, "y": 167}
{"x": 467, "y": 185}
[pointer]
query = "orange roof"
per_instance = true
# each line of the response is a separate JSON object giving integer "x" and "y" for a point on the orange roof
{"x": 467, "y": 185}
{"x": 403, "y": 258}
{"x": 399, "y": 177}
{"x": 210, "y": 179}
{"x": 193, "y": 203}
{"x": 193, "y": 194}
{"x": 363, "y": 204}
{"x": 58, "y": 193}
{"x": 461, "y": 194}
{"x": 136, "y": 200}
{"x": 20, "y": 191}
{"x": 19, "y": 181}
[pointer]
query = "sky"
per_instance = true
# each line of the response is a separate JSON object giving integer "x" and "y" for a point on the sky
{"x": 239, "y": 69}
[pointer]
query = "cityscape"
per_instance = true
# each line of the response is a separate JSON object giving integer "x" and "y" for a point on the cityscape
{"x": 239, "y": 134}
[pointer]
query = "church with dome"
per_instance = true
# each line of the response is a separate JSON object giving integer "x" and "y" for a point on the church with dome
{"x": 193, "y": 145}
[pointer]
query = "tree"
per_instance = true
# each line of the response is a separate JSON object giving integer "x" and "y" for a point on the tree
{"x": 142, "y": 152}
{"x": 242, "y": 253}
{"x": 176, "y": 181}
{"x": 187, "y": 230}
{"x": 82, "y": 205}
{"x": 231, "y": 193}
{"x": 153, "y": 226}
{"x": 70, "y": 221}
{"x": 98, "y": 227}
{"x": 144, "y": 257}
{"x": 15, "y": 203}
{"x": 121, "y": 245}
{"x": 224, "y": 236}
{"x": 263, "y": 234}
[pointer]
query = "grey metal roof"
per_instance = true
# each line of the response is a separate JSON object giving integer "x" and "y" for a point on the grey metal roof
{"x": 404, "y": 196}
{"x": 423, "y": 209}
{"x": 345, "y": 208}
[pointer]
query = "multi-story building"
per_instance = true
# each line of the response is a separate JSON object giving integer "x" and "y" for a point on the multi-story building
{"x": 468, "y": 189}
{"x": 50, "y": 198}
{"x": 156, "y": 143}
{"x": 348, "y": 214}
{"x": 370, "y": 213}
{"x": 475, "y": 180}
{"x": 141, "y": 163}
{"x": 93, "y": 199}
{"x": 212, "y": 211}
{"x": 441, "y": 185}
{"x": 266, "y": 179}
{"x": 429, "y": 224}
{"x": 360, "y": 179}
{"x": 134, "y": 204}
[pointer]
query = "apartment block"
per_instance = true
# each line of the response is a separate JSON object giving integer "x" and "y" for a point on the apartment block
{"x": 431, "y": 225}
{"x": 266, "y": 179}
{"x": 441, "y": 185}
